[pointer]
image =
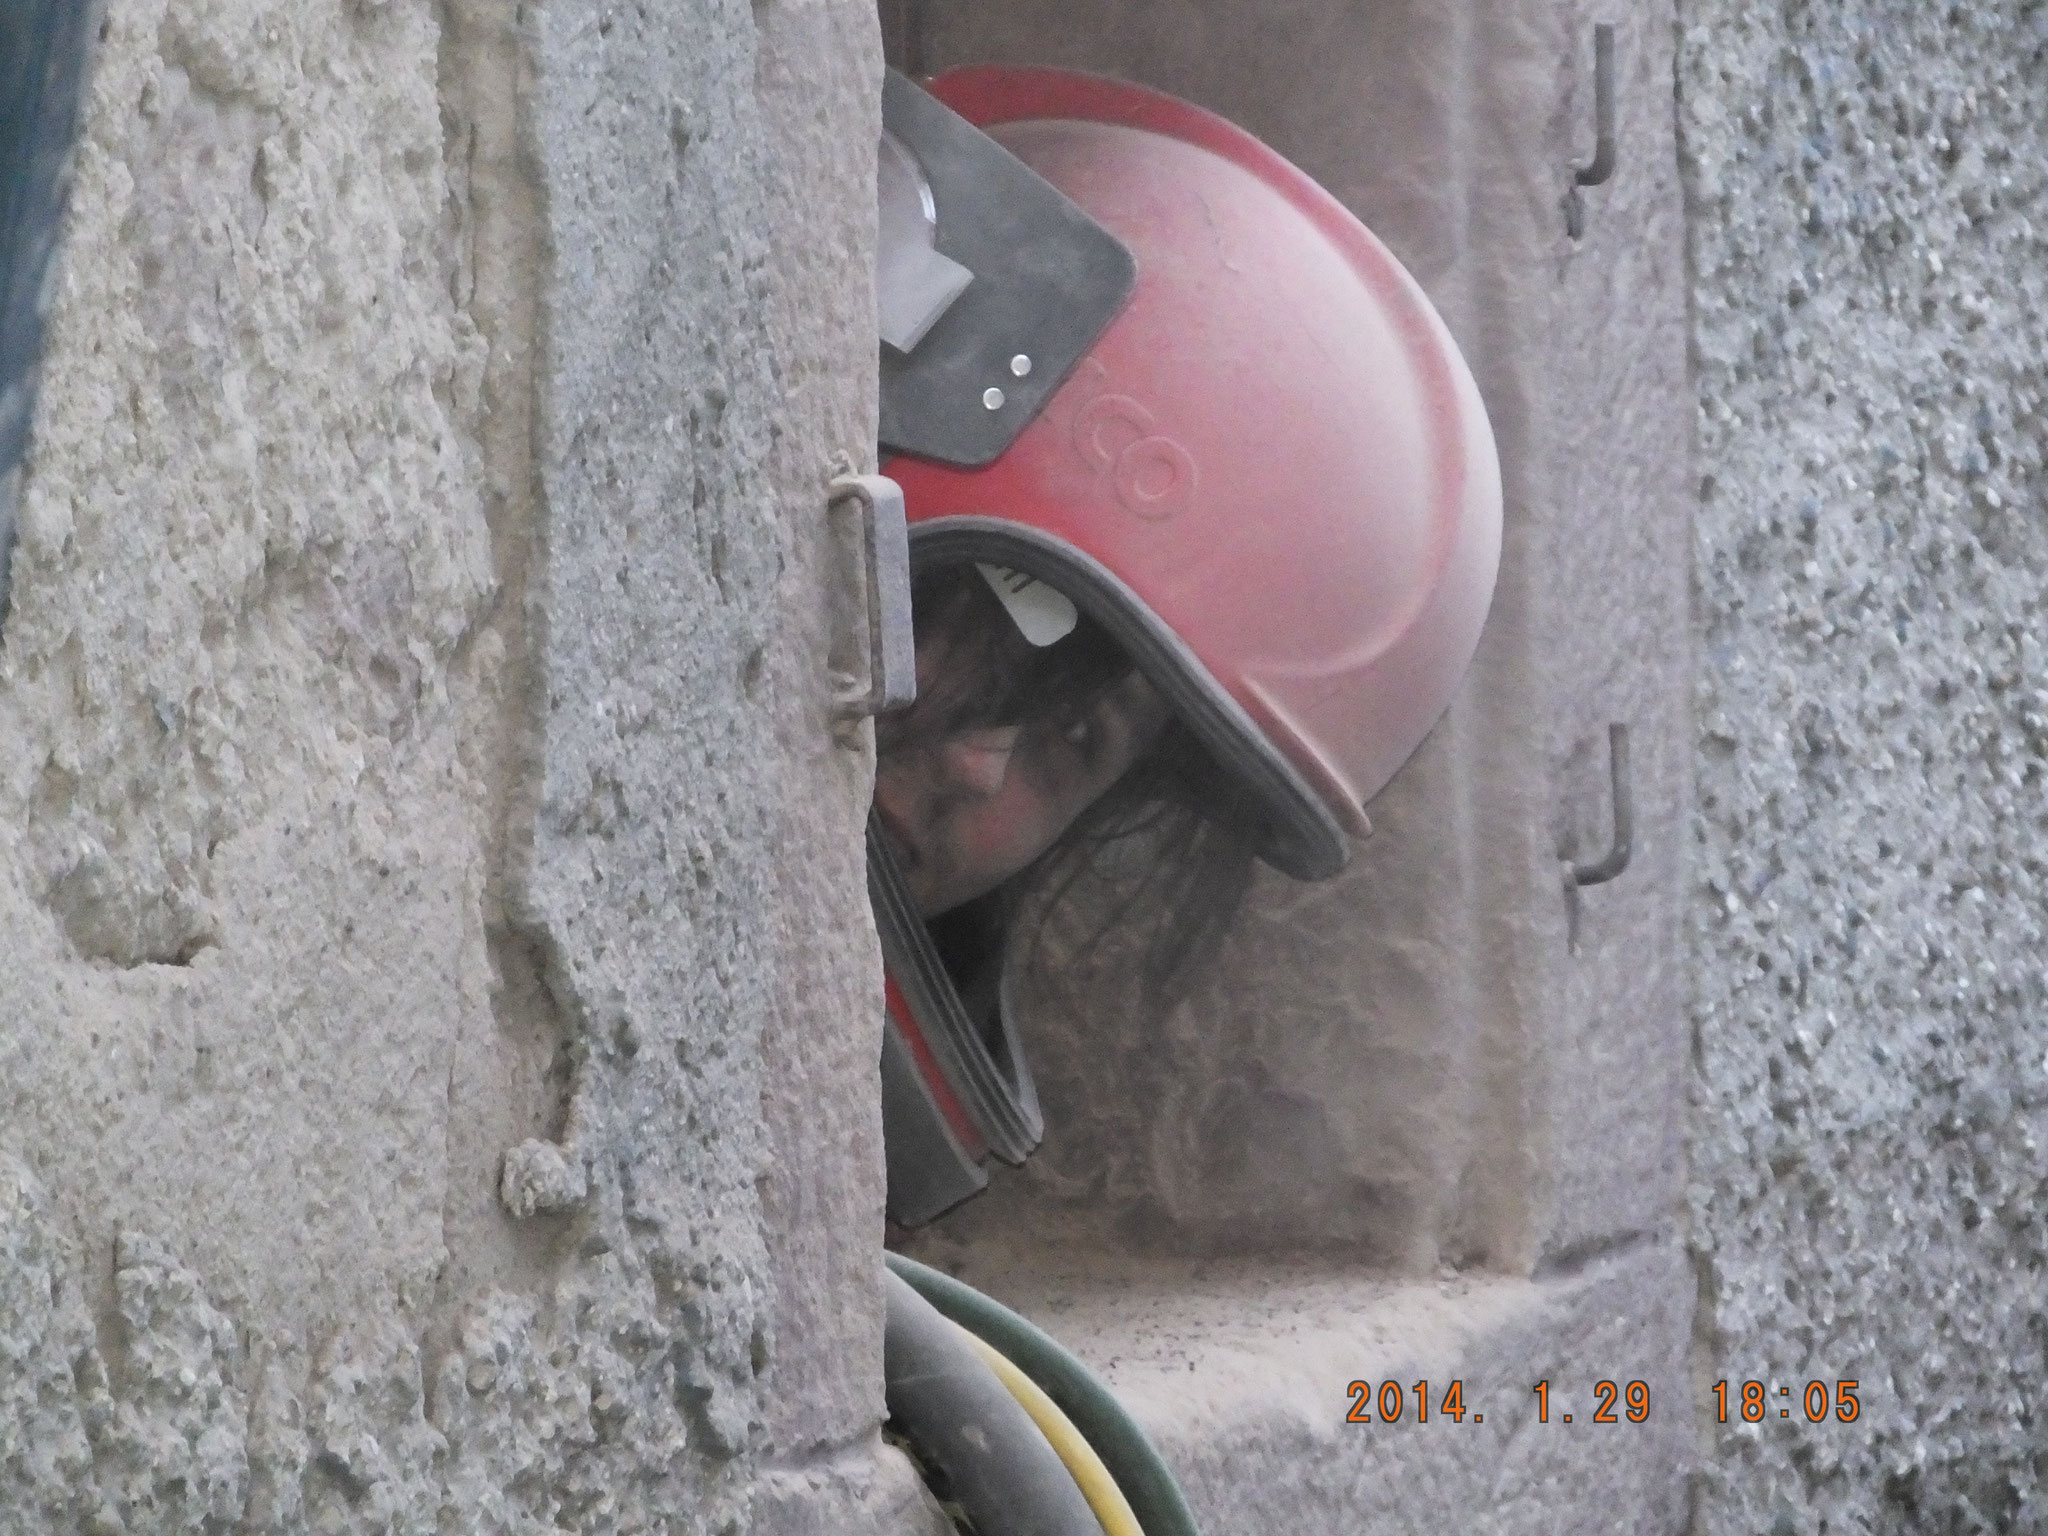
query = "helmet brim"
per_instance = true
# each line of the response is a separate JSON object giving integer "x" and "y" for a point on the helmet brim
{"x": 1301, "y": 836}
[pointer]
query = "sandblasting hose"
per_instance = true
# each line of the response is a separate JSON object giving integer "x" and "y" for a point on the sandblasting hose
{"x": 1135, "y": 1467}
{"x": 1004, "y": 1473}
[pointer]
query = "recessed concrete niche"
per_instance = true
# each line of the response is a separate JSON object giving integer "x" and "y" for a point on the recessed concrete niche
{"x": 1422, "y": 1121}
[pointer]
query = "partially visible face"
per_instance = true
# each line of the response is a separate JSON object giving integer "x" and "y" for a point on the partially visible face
{"x": 969, "y": 809}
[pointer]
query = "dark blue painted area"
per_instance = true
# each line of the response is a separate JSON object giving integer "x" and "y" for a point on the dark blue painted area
{"x": 44, "y": 45}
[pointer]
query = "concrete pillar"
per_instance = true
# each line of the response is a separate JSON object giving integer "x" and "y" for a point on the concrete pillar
{"x": 422, "y": 1105}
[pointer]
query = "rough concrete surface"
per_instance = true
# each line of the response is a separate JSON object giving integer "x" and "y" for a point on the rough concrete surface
{"x": 821, "y": 1097}
{"x": 238, "y": 849}
{"x": 1616, "y": 636}
{"x": 1241, "y": 1371}
{"x": 390, "y": 776}
{"x": 825, "y": 1470}
{"x": 1865, "y": 185}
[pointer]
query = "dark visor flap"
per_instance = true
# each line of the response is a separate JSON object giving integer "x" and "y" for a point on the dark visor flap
{"x": 1045, "y": 280}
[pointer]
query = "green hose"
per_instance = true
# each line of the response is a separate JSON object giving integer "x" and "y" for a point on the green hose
{"x": 1155, "y": 1497}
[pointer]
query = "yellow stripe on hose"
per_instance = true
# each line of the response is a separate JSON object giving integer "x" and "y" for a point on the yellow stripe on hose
{"x": 1107, "y": 1500}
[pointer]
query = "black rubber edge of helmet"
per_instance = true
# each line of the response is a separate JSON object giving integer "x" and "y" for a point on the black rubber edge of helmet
{"x": 1303, "y": 837}
{"x": 1002, "y": 1103}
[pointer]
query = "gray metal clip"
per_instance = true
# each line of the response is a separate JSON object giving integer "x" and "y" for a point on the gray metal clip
{"x": 1617, "y": 856}
{"x": 1604, "y": 150}
{"x": 891, "y": 680}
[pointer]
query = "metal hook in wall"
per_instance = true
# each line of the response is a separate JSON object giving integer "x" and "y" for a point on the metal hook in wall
{"x": 1618, "y": 853}
{"x": 1604, "y": 151}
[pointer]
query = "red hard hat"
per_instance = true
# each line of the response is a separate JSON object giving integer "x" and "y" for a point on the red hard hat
{"x": 1271, "y": 476}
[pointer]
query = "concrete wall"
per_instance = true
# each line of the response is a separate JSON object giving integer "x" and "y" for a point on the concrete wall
{"x": 413, "y": 695}
{"x": 414, "y": 749}
{"x": 1865, "y": 186}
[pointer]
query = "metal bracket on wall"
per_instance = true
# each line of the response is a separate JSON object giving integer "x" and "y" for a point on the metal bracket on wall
{"x": 1604, "y": 151}
{"x": 891, "y": 680}
{"x": 44, "y": 46}
{"x": 1618, "y": 853}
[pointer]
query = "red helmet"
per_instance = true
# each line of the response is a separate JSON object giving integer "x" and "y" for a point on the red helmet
{"x": 1270, "y": 476}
